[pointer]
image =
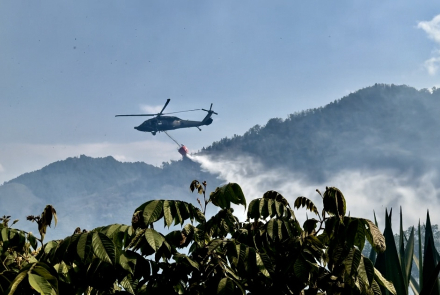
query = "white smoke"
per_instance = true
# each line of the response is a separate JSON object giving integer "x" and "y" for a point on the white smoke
{"x": 364, "y": 191}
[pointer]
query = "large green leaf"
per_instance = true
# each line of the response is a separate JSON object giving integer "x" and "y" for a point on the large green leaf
{"x": 352, "y": 261}
{"x": 225, "y": 287}
{"x": 334, "y": 201}
{"x": 104, "y": 248}
{"x": 84, "y": 245}
{"x": 356, "y": 233}
{"x": 384, "y": 282}
{"x": 153, "y": 211}
{"x": 272, "y": 228}
{"x": 261, "y": 266}
{"x": 154, "y": 239}
{"x": 366, "y": 270}
{"x": 41, "y": 284}
{"x": 305, "y": 202}
{"x": 168, "y": 207}
{"x": 227, "y": 194}
{"x": 41, "y": 277}
{"x": 374, "y": 236}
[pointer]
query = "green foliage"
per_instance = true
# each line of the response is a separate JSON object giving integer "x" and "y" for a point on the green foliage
{"x": 268, "y": 253}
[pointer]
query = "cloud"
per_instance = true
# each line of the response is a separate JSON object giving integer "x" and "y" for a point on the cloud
{"x": 21, "y": 158}
{"x": 432, "y": 64}
{"x": 432, "y": 28}
{"x": 151, "y": 109}
{"x": 1, "y": 168}
{"x": 365, "y": 191}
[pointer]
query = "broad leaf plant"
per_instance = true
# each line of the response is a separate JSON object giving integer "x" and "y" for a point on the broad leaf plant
{"x": 268, "y": 253}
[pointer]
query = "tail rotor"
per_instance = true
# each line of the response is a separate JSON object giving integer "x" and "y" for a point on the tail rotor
{"x": 210, "y": 111}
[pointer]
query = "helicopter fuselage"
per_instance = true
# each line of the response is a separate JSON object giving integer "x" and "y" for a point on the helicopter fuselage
{"x": 165, "y": 123}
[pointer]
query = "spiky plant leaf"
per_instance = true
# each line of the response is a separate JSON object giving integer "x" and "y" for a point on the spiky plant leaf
{"x": 408, "y": 255}
{"x": 388, "y": 262}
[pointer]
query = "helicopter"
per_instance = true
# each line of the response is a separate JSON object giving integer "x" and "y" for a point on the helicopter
{"x": 161, "y": 123}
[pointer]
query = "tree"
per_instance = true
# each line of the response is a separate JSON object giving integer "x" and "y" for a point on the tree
{"x": 270, "y": 252}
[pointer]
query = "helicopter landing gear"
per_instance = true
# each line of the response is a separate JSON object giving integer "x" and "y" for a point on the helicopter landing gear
{"x": 199, "y": 128}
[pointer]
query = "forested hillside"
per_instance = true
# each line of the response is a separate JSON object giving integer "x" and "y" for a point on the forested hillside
{"x": 378, "y": 127}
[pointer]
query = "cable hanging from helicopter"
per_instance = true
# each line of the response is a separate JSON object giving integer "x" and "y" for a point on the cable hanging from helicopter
{"x": 183, "y": 150}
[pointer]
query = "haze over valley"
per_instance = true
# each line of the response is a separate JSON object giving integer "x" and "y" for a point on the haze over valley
{"x": 379, "y": 145}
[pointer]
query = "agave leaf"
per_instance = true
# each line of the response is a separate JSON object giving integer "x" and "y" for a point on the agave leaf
{"x": 429, "y": 260}
{"x": 408, "y": 254}
{"x": 420, "y": 258}
{"x": 432, "y": 281}
{"x": 415, "y": 287}
{"x": 388, "y": 262}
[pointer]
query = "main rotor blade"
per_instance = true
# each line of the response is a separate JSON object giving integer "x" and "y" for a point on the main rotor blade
{"x": 182, "y": 111}
{"x": 140, "y": 115}
{"x": 168, "y": 101}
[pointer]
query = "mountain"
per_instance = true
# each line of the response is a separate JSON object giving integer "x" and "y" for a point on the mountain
{"x": 88, "y": 192}
{"x": 382, "y": 127}
{"x": 378, "y": 127}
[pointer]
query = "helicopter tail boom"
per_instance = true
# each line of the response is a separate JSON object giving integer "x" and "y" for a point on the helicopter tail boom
{"x": 208, "y": 120}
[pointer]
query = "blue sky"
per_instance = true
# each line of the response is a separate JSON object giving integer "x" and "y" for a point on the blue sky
{"x": 67, "y": 67}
